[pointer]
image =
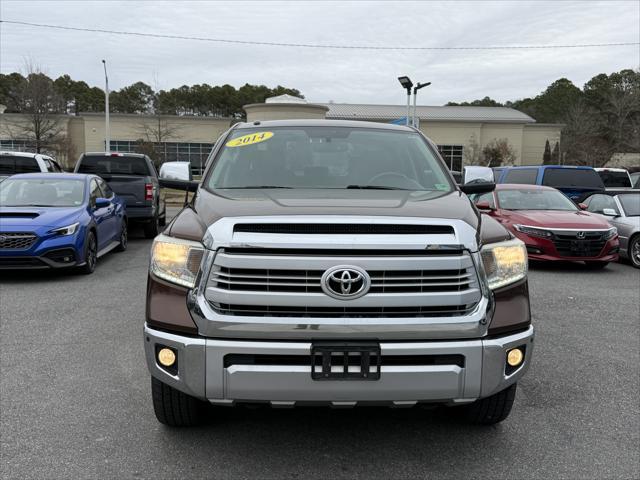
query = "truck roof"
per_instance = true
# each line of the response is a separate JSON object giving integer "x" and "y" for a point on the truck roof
{"x": 323, "y": 123}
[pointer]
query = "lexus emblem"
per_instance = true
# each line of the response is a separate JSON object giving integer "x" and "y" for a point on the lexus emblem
{"x": 345, "y": 282}
{"x": 581, "y": 235}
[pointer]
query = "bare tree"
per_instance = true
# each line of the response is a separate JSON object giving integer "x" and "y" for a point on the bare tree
{"x": 472, "y": 152}
{"x": 38, "y": 101}
{"x": 158, "y": 130}
{"x": 498, "y": 152}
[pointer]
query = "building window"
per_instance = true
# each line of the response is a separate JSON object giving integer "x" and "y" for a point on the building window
{"x": 452, "y": 155}
{"x": 195, "y": 153}
{"x": 18, "y": 145}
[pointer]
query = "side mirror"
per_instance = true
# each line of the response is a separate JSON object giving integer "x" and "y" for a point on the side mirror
{"x": 177, "y": 175}
{"x": 582, "y": 206}
{"x": 609, "y": 212}
{"x": 176, "y": 171}
{"x": 484, "y": 206}
{"x": 477, "y": 180}
{"x": 102, "y": 202}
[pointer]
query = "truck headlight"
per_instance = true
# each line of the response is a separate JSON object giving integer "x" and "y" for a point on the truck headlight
{"x": 176, "y": 260}
{"x": 68, "y": 230}
{"x": 504, "y": 262}
{"x": 535, "y": 232}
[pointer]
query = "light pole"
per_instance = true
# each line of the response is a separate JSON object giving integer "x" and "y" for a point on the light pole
{"x": 407, "y": 84}
{"x": 415, "y": 95}
{"x": 107, "y": 129}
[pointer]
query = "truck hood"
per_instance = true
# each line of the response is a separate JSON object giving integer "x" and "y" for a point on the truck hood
{"x": 555, "y": 219}
{"x": 237, "y": 203}
{"x": 33, "y": 217}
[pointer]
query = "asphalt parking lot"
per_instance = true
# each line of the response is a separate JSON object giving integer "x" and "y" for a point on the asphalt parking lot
{"x": 75, "y": 394}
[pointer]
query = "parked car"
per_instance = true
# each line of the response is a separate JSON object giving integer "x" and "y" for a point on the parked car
{"x": 571, "y": 180}
{"x": 59, "y": 221}
{"x": 634, "y": 173}
{"x": 24, "y": 162}
{"x": 550, "y": 225}
{"x": 622, "y": 209}
{"x": 334, "y": 262}
{"x": 133, "y": 177}
{"x": 614, "y": 177}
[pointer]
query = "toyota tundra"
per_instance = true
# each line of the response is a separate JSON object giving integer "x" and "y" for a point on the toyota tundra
{"x": 334, "y": 263}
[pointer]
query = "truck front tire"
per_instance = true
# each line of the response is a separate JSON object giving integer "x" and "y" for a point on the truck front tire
{"x": 152, "y": 228}
{"x": 175, "y": 408}
{"x": 491, "y": 410}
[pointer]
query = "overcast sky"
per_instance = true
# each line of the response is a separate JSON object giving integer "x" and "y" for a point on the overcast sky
{"x": 322, "y": 75}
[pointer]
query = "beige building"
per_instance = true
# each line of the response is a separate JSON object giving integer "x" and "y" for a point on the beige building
{"x": 174, "y": 137}
{"x": 459, "y": 132}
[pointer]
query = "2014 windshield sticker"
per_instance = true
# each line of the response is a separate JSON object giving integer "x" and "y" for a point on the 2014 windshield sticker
{"x": 250, "y": 139}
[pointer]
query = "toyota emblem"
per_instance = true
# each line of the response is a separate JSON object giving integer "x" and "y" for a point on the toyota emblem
{"x": 3, "y": 238}
{"x": 345, "y": 282}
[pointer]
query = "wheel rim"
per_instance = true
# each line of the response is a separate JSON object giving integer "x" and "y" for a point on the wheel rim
{"x": 91, "y": 252}
{"x": 123, "y": 235}
{"x": 635, "y": 252}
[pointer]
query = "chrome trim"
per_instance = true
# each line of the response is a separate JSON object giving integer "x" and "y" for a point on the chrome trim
{"x": 221, "y": 234}
{"x": 567, "y": 229}
{"x": 345, "y": 293}
{"x": 202, "y": 372}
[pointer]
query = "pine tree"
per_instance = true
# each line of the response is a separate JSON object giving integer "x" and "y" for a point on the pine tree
{"x": 555, "y": 156}
{"x": 546, "y": 158}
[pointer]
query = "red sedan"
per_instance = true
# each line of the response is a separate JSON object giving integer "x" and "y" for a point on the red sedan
{"x": 551, "y": 225}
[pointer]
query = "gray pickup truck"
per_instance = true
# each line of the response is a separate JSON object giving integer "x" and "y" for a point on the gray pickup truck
{"x": 335, "y": 263}
{"x": 133, "y": 177}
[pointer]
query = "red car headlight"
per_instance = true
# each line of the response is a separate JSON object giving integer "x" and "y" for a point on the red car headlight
{"x": 534, "y": 232}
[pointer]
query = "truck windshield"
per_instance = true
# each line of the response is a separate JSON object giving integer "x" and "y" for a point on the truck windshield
{"x": 528, "y": 199}
{"x": 22, "y": 192}
{"x": 327, "y": 157}
{"x": 114, "y": 165}
{"x": 615, "y": 179}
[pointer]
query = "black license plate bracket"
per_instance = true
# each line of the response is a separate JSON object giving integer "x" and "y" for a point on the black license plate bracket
{"x": 345, "y": 361}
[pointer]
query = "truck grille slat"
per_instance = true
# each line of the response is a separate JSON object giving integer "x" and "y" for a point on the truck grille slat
{"x": 309, "y": 280}
{"x": 352, "y": 312}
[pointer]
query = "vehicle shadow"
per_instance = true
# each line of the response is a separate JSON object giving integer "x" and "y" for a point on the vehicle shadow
{"x": 362, "y": 441}
{"x": 568, "y": 267}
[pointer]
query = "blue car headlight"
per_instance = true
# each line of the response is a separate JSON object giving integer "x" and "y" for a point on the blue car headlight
{"x": 68, "y": 230}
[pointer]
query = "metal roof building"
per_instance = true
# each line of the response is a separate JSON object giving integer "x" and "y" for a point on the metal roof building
{"x": 349, "y": 111}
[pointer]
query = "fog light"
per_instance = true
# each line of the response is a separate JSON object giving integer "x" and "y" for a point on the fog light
{"x": 515, "y": 357}
{"x": 166, "y": 357}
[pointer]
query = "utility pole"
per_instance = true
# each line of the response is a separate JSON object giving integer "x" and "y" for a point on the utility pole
{"x": 107, "y": 128}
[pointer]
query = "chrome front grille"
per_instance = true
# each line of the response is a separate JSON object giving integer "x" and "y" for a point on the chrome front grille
{"x": 308, "y": 281}
{"x": 248, "y": 283}
{"x": 16, "y": 240}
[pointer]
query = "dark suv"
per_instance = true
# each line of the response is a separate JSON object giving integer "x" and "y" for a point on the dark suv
{"x": 335, "y": 263}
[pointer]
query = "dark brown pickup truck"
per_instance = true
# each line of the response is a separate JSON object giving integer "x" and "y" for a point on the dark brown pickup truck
{"x": 335, "y": 263}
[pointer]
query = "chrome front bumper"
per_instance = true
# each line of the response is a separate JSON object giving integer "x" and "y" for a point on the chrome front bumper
{"x": 202, "y": 372}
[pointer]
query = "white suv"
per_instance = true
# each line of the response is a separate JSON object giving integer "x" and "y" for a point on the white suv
{"x": 23, "y": 162}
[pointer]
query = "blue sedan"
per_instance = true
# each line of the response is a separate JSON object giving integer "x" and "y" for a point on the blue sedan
{"x": 59, "y": 220}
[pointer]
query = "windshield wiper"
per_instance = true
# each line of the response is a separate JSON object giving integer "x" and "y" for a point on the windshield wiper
{"x": 372, "y": 187}
{"x": 253, "y": 187}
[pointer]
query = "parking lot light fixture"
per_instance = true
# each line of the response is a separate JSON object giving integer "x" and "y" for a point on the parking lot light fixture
{"x": 407, "y": 84}
{"x": 415, "y": 96}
